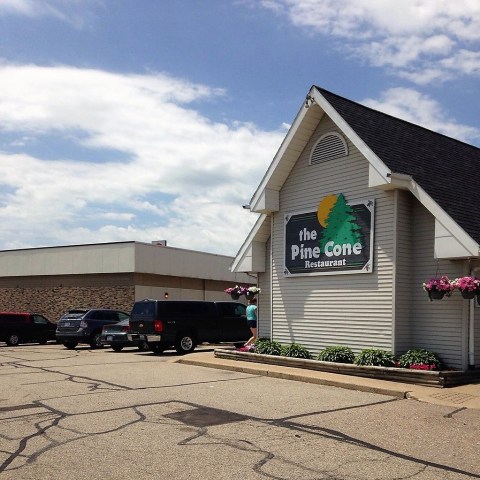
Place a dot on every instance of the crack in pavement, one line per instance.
(51, 422)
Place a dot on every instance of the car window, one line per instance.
(123, 317)
(240, 310)
(39, 320)
(186, 308)
(227, 309)
(144, 308)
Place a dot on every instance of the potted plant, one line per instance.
(468, 286)
(439, 287)
(250, 292)
(235, 291)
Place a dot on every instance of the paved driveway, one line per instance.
(91, 414)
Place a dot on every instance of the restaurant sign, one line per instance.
(337, 238)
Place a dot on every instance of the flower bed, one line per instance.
(443, 378)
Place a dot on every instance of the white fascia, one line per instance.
(246, 259)
(266, 197)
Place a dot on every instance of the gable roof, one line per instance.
(447, 169)
(441, 172)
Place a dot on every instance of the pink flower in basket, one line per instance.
(467, 284)
(441, 284)
(236, 289)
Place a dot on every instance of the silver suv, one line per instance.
(85, 326)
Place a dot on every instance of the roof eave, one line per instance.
(258, 235)
(302, 128)
(451, 240)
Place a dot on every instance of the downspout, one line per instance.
(395, 271)
(471, 335)
(471, 327)
(272, 216)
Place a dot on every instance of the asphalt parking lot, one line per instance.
(83, 413)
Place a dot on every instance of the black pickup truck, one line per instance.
(164, 324)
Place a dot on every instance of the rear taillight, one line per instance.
(103, 329)
(158, 325)
(126, 328)
(83, 324)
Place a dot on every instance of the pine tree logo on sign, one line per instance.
(336, 238)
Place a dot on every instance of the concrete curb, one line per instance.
(319, 378)
(460, 397)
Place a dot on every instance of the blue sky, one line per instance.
(156, 119)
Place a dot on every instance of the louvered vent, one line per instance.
(329, 146)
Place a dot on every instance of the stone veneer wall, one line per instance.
(53, 302)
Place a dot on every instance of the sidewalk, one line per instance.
(464, 396)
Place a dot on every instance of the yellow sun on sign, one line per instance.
(324, 208)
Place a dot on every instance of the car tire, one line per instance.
(117, 348)
(43, 342)
(185, 343)
(95, 340)
(143, 346)
(157, 348)
(13, 340)
(70, 345)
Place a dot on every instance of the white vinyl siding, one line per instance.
(265, 298)
(440, 326)
(403, 270)
(318, 311)
(476, 336)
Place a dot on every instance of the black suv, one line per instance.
(19, 327)
(184, 324)
(85, 326)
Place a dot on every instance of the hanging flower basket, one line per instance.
(436, 294)
(251, 292)
(235, 292)
(468, 286)
(439, 287)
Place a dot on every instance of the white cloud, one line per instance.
(409, 36)
(178, 175)
(69, 11)
(411, 105)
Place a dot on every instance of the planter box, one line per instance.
(404, 375)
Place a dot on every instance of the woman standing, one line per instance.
(252, 320)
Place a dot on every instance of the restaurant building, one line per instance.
(53, 280)
(356, 211)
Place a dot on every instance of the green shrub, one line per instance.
(336, 353)
(376, 357)
(267, 346)
(295, 350)
(420, 359)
